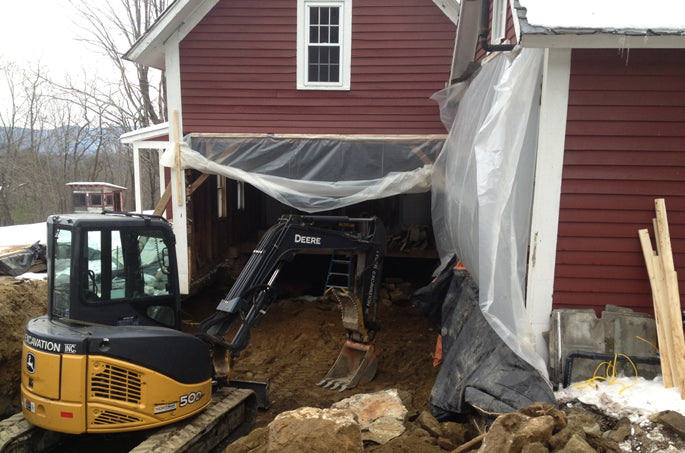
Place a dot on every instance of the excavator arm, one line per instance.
(254, 292)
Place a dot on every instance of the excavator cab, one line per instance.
(109, 355)
(113, 270)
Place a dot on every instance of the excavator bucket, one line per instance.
(356, 364)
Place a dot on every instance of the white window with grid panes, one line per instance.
(324, 37)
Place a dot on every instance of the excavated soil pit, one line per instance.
(298, 340)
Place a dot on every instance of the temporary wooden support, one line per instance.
(203, 177)
(197, 183)
(177, 158)
(666, 298)
(161, 204)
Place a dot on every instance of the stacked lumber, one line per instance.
(666, 298)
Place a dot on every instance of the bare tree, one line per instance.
(20, 131)
(52, 133)
(139, 98)
(112, 28)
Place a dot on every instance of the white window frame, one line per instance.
(345, 44)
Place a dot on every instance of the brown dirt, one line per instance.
(298, 340)
(20, 300)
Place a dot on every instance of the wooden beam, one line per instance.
(177, 158)
(672, 295)
(161, 204)
(197, 183)
(658, 289)
(666, 298)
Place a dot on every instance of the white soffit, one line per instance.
(450, 8)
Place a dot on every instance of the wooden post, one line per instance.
(672, 294)
(658, 288)
(177, 159)
(161, 204)
(666, 297)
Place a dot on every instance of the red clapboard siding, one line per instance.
(238, 71)
(625, 146)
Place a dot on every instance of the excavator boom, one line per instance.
(254, 291)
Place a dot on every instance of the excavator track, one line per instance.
(231, 414)
(17, 435)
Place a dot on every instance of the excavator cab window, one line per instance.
(121, 264)
(62, 273)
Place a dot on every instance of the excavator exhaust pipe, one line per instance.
(356, 364)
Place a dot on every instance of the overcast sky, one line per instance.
(42, 31)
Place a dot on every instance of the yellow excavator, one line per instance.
(110, 355)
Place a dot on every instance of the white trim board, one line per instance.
(547, 191)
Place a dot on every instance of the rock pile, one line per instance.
(395, 291)
(541, 428)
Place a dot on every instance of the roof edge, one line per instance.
(146, 133)
(588, 37)
(181, 15)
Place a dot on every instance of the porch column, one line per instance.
(178, 187)
(136, 178)
(547, 192)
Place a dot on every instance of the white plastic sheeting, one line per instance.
(483, 185)
(316, 174)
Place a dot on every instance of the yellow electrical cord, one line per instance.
(648, 342)
(610, 375)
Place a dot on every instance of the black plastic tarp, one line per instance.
(479, 371)
(19, 263)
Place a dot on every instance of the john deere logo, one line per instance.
(30, 363)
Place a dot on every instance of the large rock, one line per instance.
(577, 444)
(516, 431)
(430, 424)
(381, 415)
(674, 420)
(314, 430)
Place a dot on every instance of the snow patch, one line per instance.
(607, 14)
(618, 400)
(18, 235)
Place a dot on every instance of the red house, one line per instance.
(610, 139)
(244, 77)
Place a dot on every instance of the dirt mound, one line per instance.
(20, 301)
(298, 341)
